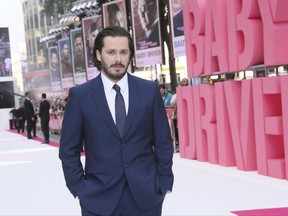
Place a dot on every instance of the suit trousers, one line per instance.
(45, 129)
(34, 122)
(20, 123)
(127, 207)
(29, 127)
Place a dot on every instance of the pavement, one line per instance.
(32, 184)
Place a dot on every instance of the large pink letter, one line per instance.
(186, 127)
(216, 46)
(225, 144)
(268, 124)
(245, 34)
(194, 14)
(205, 119)
(250, 24)
(275, 20)
(284, 99)
(239, 106)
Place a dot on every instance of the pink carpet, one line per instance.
(263, 212)
(51, 143)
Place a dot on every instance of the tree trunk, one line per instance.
(167, 39)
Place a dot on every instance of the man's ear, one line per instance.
(98, 55)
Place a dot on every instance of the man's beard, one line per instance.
(114, 76)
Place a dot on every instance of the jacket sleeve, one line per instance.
(163, 144)
(71, 144)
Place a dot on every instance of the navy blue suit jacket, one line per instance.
(142, 158)
(44, 110)
(29, 109)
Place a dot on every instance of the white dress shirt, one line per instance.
(110, 93)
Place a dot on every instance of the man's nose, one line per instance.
(118, 56)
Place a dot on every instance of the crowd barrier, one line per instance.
(55, 124)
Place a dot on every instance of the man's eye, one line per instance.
(111, 52)
(125, 52)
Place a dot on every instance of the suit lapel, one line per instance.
(99, 99)
(134, 98)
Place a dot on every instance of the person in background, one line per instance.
(183, 82)
(34, 122)
(13, 114)
(8, 66)
(205, 80)
(166, 95)
(29, 114)
(128, 168)
(44, 117)
(21, 119)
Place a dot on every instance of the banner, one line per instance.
(177, 27)
(5, 54)
(146, 32)
(65, 63)
(78, 53)
(54, 66)
(90, 27)
(7, 94)
(114, 13)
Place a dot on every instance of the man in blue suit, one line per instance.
(128, 170)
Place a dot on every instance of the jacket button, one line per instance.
(125, 165)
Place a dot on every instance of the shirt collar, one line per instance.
(108, 84)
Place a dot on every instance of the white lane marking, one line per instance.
(14, 163)
(19, 151)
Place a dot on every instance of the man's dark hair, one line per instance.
(64, 43)
(78, 35)
(95, 25)
(43, 95)
(53, 50)
(163, 86)
(113, 31)
(112, 11)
